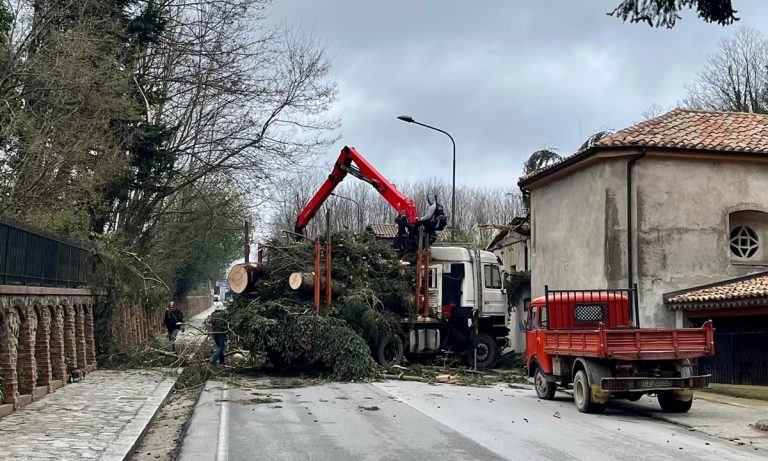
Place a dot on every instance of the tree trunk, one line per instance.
(305, 281)
(243, 277)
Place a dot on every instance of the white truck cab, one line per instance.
(478, 266)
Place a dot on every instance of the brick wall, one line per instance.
(46, 332)
(193, 305)
(43, 332)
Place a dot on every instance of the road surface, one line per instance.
(397, 420)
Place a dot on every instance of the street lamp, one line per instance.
(409, 119)
(359, 210)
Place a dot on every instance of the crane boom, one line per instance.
(350, 161)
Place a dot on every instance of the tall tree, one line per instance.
(666, 13)
(153, 127)
(735, 77)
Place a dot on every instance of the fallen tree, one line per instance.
(276, 321)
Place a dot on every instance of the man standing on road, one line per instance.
(218, 326)
(174, 318)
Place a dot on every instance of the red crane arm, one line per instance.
(350, 161)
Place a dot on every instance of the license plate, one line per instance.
(657, 383)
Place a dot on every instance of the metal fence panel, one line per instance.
(34, 258)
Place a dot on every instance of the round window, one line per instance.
(744, 242)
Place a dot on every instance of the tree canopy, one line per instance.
(153, 128)
(666, 13)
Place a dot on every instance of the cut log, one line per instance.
(242, 277)
(305, 281)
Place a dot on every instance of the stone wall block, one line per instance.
(70, 341)
(43, 345)
(80, 336)
(26, 368)
(58, 360)
(89, 339)
(10, 326)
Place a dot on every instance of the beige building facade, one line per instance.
(675, 202)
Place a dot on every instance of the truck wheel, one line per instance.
(487, 352)
(544, 389)
(277, 360)
(670, 404)
(582, 395)
(389, 351)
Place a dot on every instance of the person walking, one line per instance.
(174, 321)
(218, 327)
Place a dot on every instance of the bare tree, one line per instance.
(356, 204)
(652, 111)
(735, 77)
(154, 126)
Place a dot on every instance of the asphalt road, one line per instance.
(413, 421)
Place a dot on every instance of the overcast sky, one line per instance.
(505, 78)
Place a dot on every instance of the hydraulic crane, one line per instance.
(351, 162)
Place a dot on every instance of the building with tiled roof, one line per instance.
(677, 131)
(677, 205)
(388, 232)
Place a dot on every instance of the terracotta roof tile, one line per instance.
(689, 129)
(752, 287)
(694, 129)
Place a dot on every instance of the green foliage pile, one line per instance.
(281, 323)
(516, 283)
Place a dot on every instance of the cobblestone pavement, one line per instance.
(108, 409)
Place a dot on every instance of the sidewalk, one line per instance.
(737, 390)
(103, 417)
(730, 418)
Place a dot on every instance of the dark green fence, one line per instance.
(34, 258)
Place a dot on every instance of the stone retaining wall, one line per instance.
(47, 332)
(44, 333)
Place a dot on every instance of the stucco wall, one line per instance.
(577, 226)
(683, 230)
(680, 226)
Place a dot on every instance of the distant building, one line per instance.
(511, 246)
(388, 233)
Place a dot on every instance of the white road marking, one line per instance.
(222, 451)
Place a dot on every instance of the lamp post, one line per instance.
(409, 119)
(359, 210)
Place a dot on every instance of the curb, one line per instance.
(132, 434)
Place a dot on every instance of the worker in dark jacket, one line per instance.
(218, 327)
(434, 219)
(174, 321)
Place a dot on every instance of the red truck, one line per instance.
(591, 339)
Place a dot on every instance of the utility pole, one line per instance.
(247, 244)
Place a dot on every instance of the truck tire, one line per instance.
(582, 395)
(389, 351)
(277, 360)
(670, 404)
(544, 389)
(487, 352)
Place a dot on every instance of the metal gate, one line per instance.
(741, 351)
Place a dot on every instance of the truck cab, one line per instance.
(467, 303)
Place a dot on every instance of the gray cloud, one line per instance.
(505, 78)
